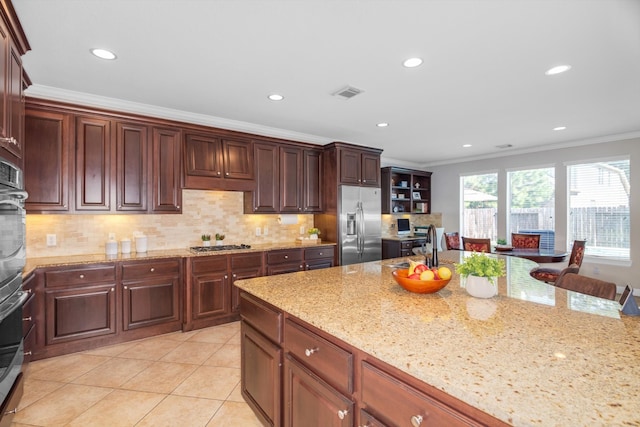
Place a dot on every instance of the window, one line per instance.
(599, 207)
(480, 206)
(531, 203)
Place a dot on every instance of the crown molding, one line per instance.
(90, 100)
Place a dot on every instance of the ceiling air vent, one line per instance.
(504, 146)
(347, 92)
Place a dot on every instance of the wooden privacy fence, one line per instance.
(600, 226)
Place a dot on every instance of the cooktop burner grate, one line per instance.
(218, 248)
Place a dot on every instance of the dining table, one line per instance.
(538, 255)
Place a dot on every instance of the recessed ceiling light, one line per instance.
(560, 128)
(557, 70)
(103, 53)
(412, 62)
(466, 145)
(276, 97)
(382, 125)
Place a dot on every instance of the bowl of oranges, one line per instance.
(421, 279)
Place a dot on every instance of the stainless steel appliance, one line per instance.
(359, 224)
(12, 261)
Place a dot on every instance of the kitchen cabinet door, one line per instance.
(370, 170)
(261, 370)
(165, 170)
(265, 198)
(131, 167)
(14, 105)
(349, 167)
(309, 401)
(93, 164)
(79, 312)
(211, 295)
(151, 293)
(359, 167)
(312, 179)
(237, 159)
(290, 180)
(46, 161)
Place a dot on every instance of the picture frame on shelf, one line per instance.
(416, 195)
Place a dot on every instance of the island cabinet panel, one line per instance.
(46, 160)
(311, 402)
(9, 407)
(93, 164)
(262, 358)
(213, 162)
(394, 402)
(166, 192)
(151, 293)
(261, 375)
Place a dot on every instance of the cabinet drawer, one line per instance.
(332, 363)
(407, 244)
(396, 403)
(209, 264)
(245, 261)
(318, 253)
(265, 319)
(283, 256)
(146, 270)
(81, 276)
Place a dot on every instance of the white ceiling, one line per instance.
(482, 81)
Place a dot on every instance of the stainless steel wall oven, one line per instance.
(12, 262)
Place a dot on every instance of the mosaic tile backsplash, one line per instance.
(203, 212)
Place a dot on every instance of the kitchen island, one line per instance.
(532, 355)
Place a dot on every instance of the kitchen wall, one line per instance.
(445, 194)
(203, 212)
(389, 222)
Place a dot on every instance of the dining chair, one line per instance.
(550, 275)
(476, 245)
(525, 241)
(452, 240)
(587, 285)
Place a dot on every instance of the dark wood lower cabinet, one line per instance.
(9, 408)
(309, 401)
(150, 302)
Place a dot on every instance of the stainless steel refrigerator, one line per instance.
(359, 224)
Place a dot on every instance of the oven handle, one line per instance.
(12, 303)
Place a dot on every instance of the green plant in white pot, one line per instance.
(481, 272)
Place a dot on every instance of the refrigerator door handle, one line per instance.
(361, 229)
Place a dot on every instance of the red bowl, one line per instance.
(418, 286)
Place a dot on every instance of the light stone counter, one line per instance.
(533, 355)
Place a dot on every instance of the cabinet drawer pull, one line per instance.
(309, 351)
(286, 257)
(226, 277)
(113, 289)
(82, 276)
(218, 173)
(28, 353)
(13, 411)
(416, 420)
(26, 319)
(10, 140)
(343, 413)
(152, 269)
(235, 276)
(321, 253)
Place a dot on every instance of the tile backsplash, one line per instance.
(203, 212)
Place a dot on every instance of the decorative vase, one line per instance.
(313, 236)
(218, 242)
(481, 287)
(206, 243)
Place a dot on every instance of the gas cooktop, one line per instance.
(198, 249)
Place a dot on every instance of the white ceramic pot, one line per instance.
(313, 237)
(206, 243)
(481, 287)
(218, 242)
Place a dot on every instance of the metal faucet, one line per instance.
(432, 237)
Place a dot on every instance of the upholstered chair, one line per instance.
(476, 245)
(550, 275)
(452, 240)
(525, 241)
(587, 285)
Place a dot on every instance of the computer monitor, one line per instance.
(403, 227)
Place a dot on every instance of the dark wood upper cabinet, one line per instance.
(358, 167)
(265, 198)
(165, 171)
(131, 167)
(290, 179)
(93, 164)
(46, 161)
(312, 179)
(212, 162)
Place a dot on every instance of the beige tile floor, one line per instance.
(179, 379)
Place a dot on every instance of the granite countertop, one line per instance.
(40, 262)
(403, 238)
(532, 355)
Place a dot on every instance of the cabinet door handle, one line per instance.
(82, 276)
(309, 351)
(28, 353)
(227, 173)
(152, 269)
(343, 413)
(10, 140)
(286, 257)
(13, 411)
(219, 173)
(416, 420)
(113, 289)
(26, 319)
(321, 254)
(126, 287)
(235, 276)
(226, 277)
